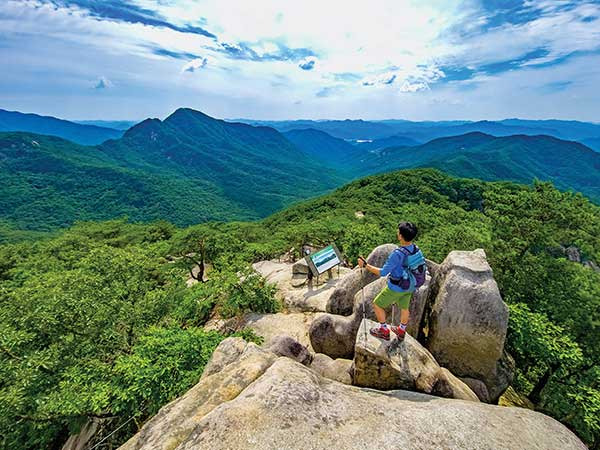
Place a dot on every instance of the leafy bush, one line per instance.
(246, 292)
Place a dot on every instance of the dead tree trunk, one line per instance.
(197, 262)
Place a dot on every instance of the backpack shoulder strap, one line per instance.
(407, 252)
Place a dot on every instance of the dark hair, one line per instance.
(408, 230)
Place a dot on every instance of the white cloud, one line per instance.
(560, 32)
(416, 86)
(364, 55)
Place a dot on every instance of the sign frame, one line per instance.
(331, 257)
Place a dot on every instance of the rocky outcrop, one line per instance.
(292, 288)
(460, 304)
(334, 369)
(290, 406)
(87, 436)
(269, 326)
(333, 335)
(417, 308)
(300, 267)
(573, 253)
(410, 366)
(228, 351)
(513, 398)
(449, 386)
(175, 422)
(468, 321)
(478, 387)
(341, 300)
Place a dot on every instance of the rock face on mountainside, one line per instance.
(261, 402)
(459, 304)
(468, 321)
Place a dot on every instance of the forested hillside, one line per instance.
(569, 165)
(332, 151)
(97, 321)
(189, 168)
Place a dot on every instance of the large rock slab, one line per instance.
(175, 422)
(341, 300)
(468, 321)
(227, 352)
(270, 326)
(293, 291)
(333, 335)
(410, 366)
(292, 407)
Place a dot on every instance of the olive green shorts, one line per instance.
(387, 297)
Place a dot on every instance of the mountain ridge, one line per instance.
(192, 168)
(82, 134)
(519, 158)
(188, 168)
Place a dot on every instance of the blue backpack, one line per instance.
(416, 269)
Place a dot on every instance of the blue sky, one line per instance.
(419, 60)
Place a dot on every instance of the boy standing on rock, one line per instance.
(406, 269)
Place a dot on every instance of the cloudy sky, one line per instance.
(422, 59)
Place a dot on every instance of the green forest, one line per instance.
(192, 168)
(187, 169)
(96, 320)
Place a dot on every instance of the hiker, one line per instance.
(406, 269)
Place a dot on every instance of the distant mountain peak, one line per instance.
(470, 138)
(184, 114)
(144, 127)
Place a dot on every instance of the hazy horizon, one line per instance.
(233, 119)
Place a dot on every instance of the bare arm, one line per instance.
(374, 270)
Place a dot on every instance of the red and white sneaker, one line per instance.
(400, 333)
(380, 332)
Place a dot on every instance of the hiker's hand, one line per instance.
(362, 262)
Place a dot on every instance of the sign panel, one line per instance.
(325, 259)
